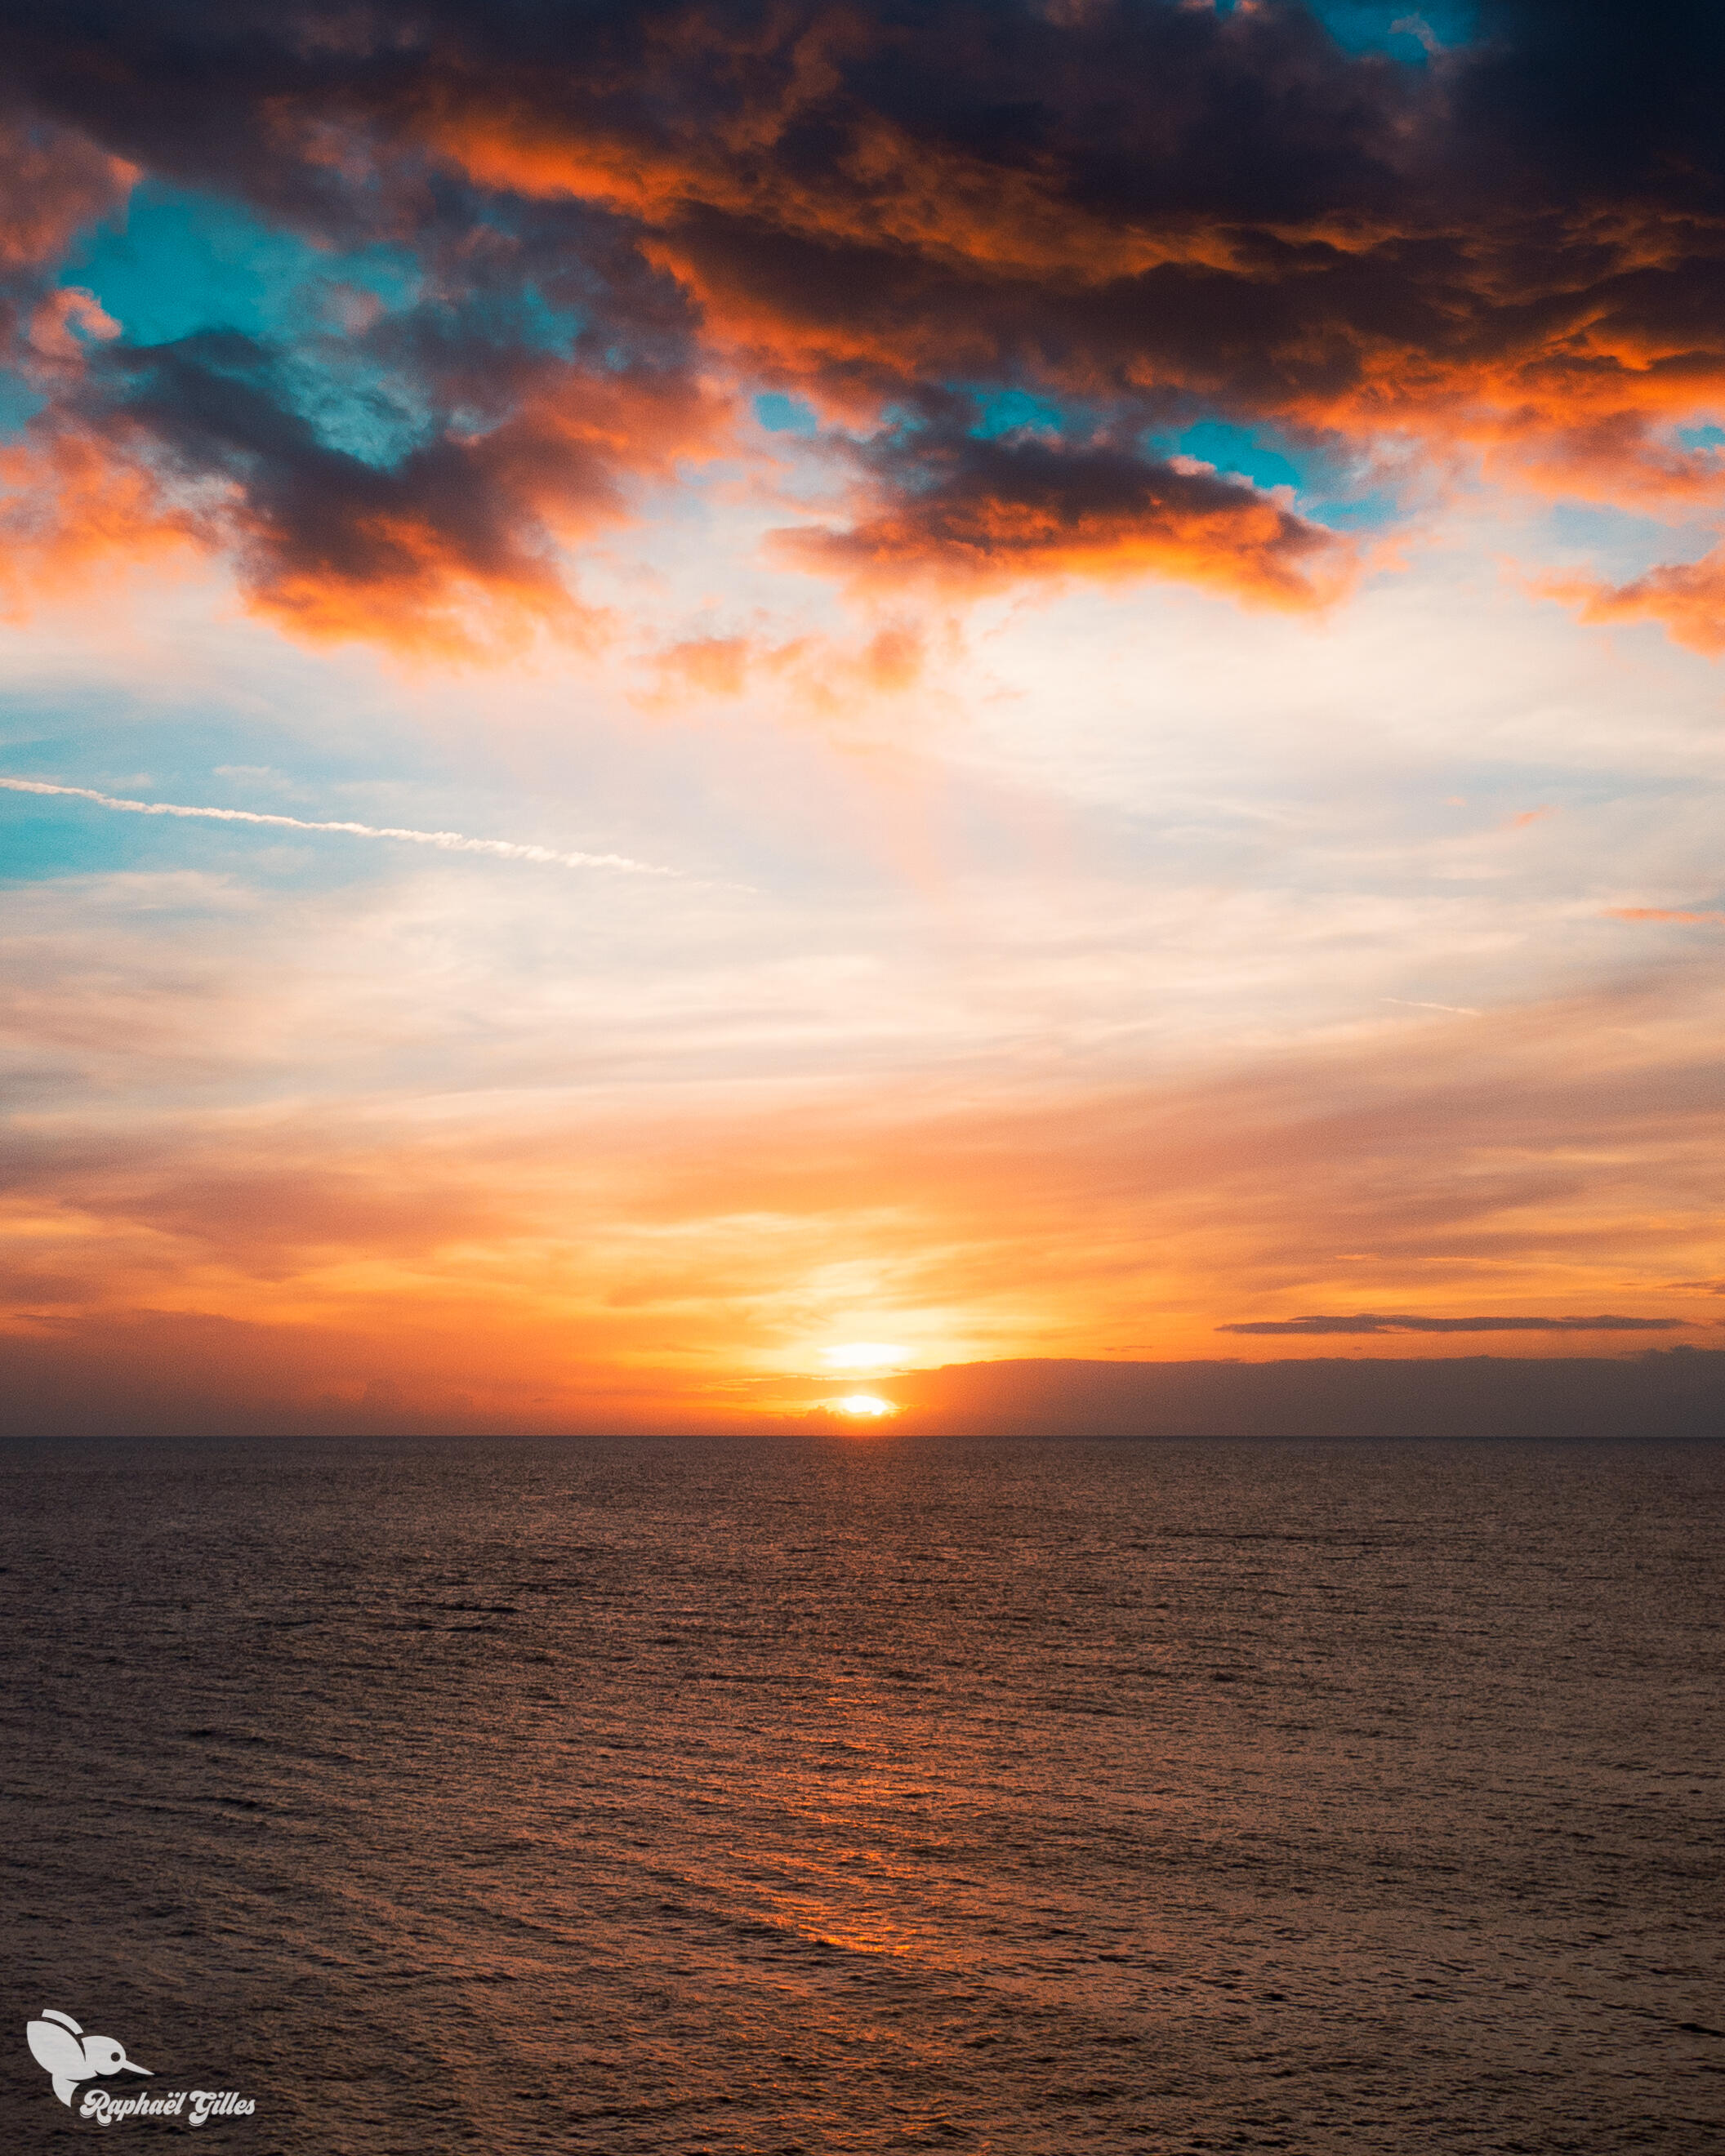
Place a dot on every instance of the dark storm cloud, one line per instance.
(1153, 211)
(1366, 1322)
(984, 510)
(328, 535)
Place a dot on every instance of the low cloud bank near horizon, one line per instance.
(1662, 1393)
(163, 1374)
(1369, 1321)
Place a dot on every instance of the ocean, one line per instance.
(863, 1794)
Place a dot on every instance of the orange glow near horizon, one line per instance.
(864, 1355)
(1172, 712)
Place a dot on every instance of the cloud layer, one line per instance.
(1363, 1322)
(1012, 500)
(1006, 255)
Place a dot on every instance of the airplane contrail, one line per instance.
(453, 842)
(1456, 1010)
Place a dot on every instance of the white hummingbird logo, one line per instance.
(60, 2045)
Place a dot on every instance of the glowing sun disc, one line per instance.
(866, 1404)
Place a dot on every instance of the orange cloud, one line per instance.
(1016, 508)
(825, 674)
(53, 182)
(884, 189)
(1560, 340)
(69, 510)
(458, 549)
(717, 665)
(1688, 597)
(1664, 913)
(56, 316)
(1489, 261)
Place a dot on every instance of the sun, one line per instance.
(866, 1407)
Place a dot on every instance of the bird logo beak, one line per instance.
(133, 2066)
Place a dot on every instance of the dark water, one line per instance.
(885, 1795)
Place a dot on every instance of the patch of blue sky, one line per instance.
(1010, 411)
(46, 837)
(1326, 488)
(355, 409)
(785, 415)
(181, 261)
(1375, 509)
(201, 759)
(19, 404)
(536, 322)
(996, 412)
(1233, 448)
(1619, 544)
(178, 260)
(42, 841)
(1699, 438)
(1403, 31)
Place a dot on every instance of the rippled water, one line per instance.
(652, 1795)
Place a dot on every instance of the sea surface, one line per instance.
(885, 1794)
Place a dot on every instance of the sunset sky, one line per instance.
(1079, 641)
